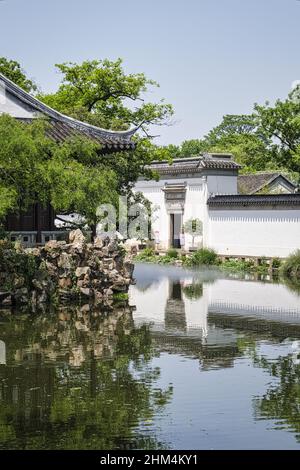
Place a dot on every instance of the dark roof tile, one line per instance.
(195, 164)
(254, 199)
(252, 183)
(63, 126)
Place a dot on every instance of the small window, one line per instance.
(25, 239)
(47, 238)
(13, 239)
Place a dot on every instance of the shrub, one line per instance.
(238, 265)
(203, 256)
(172, 253)
(165, 259)
(276, 263)
(291, 266)
(147, 254)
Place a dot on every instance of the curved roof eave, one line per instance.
(48, 111)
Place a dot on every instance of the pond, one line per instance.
(197, 360)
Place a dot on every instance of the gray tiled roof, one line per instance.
(195, 164)
(62, 126)
(255, 199)
(252, 183)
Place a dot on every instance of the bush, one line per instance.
(276, 263)
(165, 260)
(147, 254)
(291, 266)
(238, 265)
(172, 253)
(204, 256)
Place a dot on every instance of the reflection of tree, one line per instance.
(282, 400)
(293, 285)
(193, 291)
(78, 379)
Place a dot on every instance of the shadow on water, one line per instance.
(196, 360)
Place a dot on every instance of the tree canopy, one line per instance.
(101, 93)
(75, 176)
(267, 139)
(33, 167)
(12, 70)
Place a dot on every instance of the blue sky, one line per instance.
(211, 57)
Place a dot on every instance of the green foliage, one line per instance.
(193, 227)
(68, 176)
(238, 265)
(147, 254)
(172, 253)
(17, 265)
(193, 291)
(165, 259)
(204, 256)
(97, 387)
(267, 139)
(120, 296)
(75, 177)
(291, 266)
(13, 71)
(98, 92)
(277, 262)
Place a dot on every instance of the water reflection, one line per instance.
(220, 321)
(77, 378)
(197, 360)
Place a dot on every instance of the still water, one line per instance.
(197, 360)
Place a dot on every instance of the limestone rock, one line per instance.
(98, 243)
(93, 271)
(85, 291)
(64, 261)
(81, 272)
(76, 237)
(65, 282)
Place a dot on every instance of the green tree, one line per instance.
(68, 176)
(281, 124)
(268, 139)
(13, 70)
(193, 227)
(75, 176)
(101, 93)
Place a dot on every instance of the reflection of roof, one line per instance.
(196, 164)
(255, 199)
(252, 183)
(63, 126)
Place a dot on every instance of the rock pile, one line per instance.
(91, 272)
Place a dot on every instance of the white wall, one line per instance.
(195, 204)
(197, 191)
(256, 232)
(253, 232)
(13, 106)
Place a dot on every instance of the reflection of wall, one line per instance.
(225, 296)
(268, 301)
(165, 304)
(2, 352)
(175, 308)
